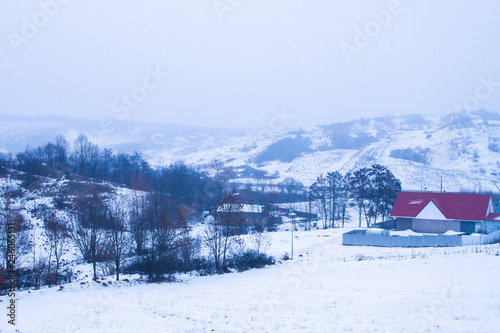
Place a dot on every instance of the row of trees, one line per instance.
(147, 233)
(371, 190)
(149, 227)
(150, 231)
(84, 158)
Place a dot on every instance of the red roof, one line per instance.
(454, 206)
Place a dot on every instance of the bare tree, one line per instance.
(40, 271)
(138, 222)
(260, 240)
(217, 166)
(213, 238)
(333, 180)
(62, 148)
(117, 235)
(189, 249)
(81, 152)
(5, 162)
(344, 193)
(238, 247)
(319, 193)
(57, 234)
(227, 222)
(291, 189)
(166, 230)
(88, 232)
(81, 238)
(50, 152)
(14, 239)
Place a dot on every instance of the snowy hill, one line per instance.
(44, 196)
(326, 287)
(461, 150)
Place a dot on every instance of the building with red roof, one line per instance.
(441, 212)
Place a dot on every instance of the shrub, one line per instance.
(251, 259)
(417, 155)
(494, 147)
(285, 257)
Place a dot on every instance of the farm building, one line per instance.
(249, 215)
(441, 212)
(262, 215)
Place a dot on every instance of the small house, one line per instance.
(250, 215)
(439, 212)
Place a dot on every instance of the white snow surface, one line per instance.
(327, 287)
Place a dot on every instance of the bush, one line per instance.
(459, 120)
(4, 284)
(56, 278)
(285, 257)
(251, 259)
(494, 147)
(417, 155)
(40, 276)
(204, 266)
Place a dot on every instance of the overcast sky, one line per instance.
(234, 63)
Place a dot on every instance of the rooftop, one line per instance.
(454, 206)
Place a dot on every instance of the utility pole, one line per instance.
(292, 215)
(422, 181)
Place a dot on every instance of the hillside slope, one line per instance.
(460, 150)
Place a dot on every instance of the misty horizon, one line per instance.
(231, 66)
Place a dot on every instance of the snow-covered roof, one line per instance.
(244, 209)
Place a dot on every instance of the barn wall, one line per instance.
(435, 226)
(490, 226)
(403, 223)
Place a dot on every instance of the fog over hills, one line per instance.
(461, 150)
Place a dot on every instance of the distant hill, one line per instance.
(461, 149)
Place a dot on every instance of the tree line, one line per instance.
(149, 232)
(60, 159)
(371, 190)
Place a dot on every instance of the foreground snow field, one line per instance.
(326, 288)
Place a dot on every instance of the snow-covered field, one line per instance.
(326, 288)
